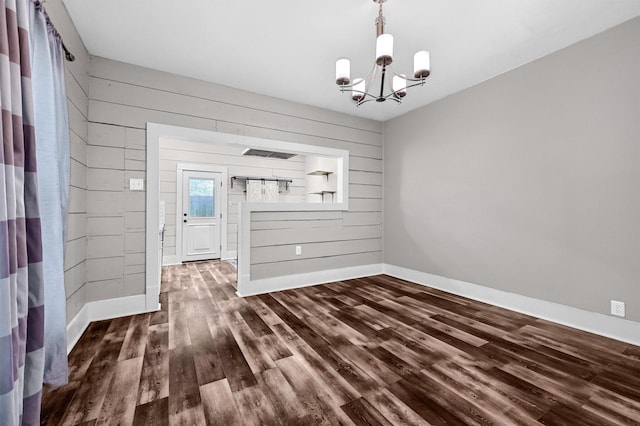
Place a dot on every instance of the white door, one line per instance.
(200, 215)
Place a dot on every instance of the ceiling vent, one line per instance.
(267, 154)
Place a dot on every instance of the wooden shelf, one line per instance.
(319, 173)
(286, 182)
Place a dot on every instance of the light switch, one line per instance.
(136, 184)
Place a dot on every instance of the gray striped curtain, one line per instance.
(52, 136)
(21, 279)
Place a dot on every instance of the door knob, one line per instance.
(184, 214)
(185, 221)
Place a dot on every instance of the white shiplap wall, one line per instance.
(174, 152)
(77, 87)
(124, 97)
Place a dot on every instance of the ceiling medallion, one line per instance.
(360, 88)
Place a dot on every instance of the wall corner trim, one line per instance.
(102, 310)
(592, 322)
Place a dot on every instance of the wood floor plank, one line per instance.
(219, 405)
(363, 413)
(334, 384)
(178, 331)
(90, 396)
(254, 406)
(55, 404)
(376, 350)
(154, 379)
(420, 401)
(569, 415)
(263, 311)
(613, 407)
(288, 409)
(235, 366)
(254, 353)
(135, 340)
(255, 323)
(205, 356)
(394, 410)
(472, 384)
(110, 348)
(274, 346)
(449, 396)
(154, 413)
(86, 349)
(311, 395)
(120, 402)
(185, 405)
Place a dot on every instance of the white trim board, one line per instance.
(104, 309)
(289, 282)
(592, 322)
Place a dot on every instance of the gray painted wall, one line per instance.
(124, 97)
(527, 182)
(77, 87)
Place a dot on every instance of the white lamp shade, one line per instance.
(343, 71)
(421, 64)
(384, 49)
(359, 88)
(399, 85)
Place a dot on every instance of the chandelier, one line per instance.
(365, 89)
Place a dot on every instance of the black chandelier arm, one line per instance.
(373, 98)
(387, 71)
(418, 82)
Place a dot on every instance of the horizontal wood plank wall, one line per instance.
(124, 97)
(328, 240)
(174, 152)
(77, 87)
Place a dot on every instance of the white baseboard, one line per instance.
(170, 260)
(174, 260)
(231, 254)
(288, 282)
(101, 310)
(593, 322)
(76, 327)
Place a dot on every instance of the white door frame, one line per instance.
(222, 202)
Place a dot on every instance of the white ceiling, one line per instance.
(287, 48)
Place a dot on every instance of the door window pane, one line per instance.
(201, 197)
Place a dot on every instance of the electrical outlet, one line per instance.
(136, 184)
(617, 308)
(298, 250)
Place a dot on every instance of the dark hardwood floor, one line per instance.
(367, 351)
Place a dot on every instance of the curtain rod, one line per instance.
(67, 54)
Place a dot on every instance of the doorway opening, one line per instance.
(318, 185)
